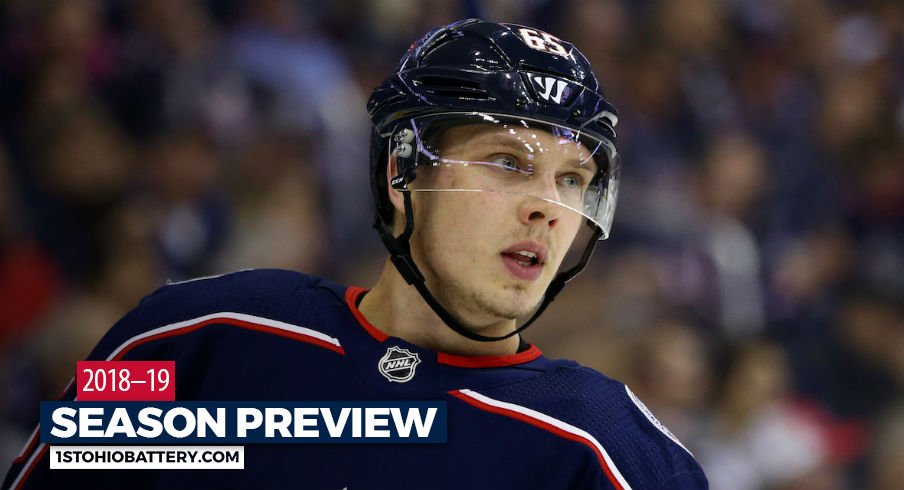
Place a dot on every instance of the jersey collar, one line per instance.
(352, 294)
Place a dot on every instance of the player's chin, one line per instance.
(519, 303)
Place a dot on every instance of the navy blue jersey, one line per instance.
(517, 421)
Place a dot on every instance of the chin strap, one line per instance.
(400, 253)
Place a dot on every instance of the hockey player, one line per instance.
(494, 171)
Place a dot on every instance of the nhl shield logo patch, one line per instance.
(398, 364)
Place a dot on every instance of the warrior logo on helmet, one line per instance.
(550, 89)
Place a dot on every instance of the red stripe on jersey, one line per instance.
(24, 477)
(351, 298)
(235, 323)
(489, 361)
(167, 332)
(610, 475)
(33, 440)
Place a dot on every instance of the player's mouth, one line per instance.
(525, 260)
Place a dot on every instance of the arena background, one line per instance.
(752, 290)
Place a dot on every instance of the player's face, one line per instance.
(490, 255)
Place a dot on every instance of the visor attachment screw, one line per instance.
(403, 150)
(404, 136)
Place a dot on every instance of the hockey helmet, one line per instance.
(509, 75)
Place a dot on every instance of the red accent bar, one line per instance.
(351, 299)
(533, 352)
(32, 467)
(126, 380)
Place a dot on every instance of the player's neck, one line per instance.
(398, 310)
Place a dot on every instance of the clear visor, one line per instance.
(479, 152)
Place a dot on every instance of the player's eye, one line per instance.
(572, 182)
(507, 162)
(511, 163)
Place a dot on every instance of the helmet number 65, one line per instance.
(542, 41)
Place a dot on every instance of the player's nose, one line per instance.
(541, 206)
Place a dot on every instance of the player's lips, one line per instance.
(525, 260)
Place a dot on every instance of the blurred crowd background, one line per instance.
(752, 293)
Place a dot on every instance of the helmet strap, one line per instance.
(400, 254)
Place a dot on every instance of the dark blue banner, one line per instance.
(242, 422)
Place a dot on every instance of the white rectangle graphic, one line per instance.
(147, 457)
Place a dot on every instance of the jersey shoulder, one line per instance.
(261, 299)
(605, 411)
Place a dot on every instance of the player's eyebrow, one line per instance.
(588, 164)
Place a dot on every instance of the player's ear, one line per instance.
(395, 196)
